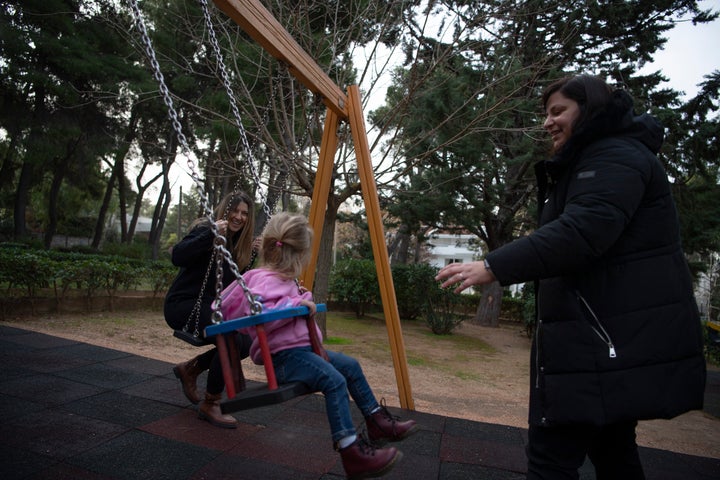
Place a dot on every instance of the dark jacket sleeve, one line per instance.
(601, 194)
(194, 248)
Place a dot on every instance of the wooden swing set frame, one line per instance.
(262, 27)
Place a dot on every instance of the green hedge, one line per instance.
(28, 270)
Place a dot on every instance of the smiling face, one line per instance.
(237, 219)
(562, 113)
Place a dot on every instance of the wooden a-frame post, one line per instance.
(260, 24)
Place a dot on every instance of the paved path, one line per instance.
(80, 412)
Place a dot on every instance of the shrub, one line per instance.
(412, 282)
(354, 282)
(440, 310)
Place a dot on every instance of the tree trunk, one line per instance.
(321, 287)
(58, 176)
(22, 196)
(117, 174)
(488, 311)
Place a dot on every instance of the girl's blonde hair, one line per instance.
(241, 243)
(287, 244)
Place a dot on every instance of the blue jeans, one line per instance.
(342, 374)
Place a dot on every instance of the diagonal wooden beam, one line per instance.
(262, 26)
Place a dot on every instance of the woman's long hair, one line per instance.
(239, 244)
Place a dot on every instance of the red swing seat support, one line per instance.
(239, 397)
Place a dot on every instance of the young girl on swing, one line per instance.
(285, 251)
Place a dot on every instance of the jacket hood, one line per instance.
(617, 119)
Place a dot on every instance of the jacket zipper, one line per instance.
(538, 331)
(602, 333)
(537, 352)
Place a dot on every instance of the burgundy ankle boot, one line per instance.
(382, 426)
(188, 373)
(362, 460)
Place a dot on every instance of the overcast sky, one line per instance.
(691, 52)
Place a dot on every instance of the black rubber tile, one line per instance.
(40, 340)
(19, 463)
(161, 389)
(104, 376)
(96, 353)
(138, 455)
(120, 408)
(12, 407)
(229, 467)
(462, 471)
(57, 434)
(48, 389)
(144, 365)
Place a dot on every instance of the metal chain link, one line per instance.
(233, 104)
(172, 113)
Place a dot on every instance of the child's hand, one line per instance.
(311, 306)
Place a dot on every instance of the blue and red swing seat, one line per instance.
(239, 396)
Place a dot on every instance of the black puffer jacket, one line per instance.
(618, 333)
(193, 255)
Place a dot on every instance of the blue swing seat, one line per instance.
(264, 394)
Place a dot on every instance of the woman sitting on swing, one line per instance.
(190, 297)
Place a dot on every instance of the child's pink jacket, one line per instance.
(274, 292)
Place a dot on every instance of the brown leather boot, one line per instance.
(188, 373)
(362, 460)
(382, 426)
(209, 410)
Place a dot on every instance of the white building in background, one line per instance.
(447, 248)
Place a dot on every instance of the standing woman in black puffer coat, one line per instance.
(194, 255)
(618, 334)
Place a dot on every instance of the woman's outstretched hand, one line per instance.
(464, 275)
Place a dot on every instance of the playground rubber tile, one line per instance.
(104, 376)
(235, 468)
(292, 421)
(289, 449)
(40, 340)
(48, 389)
(423, 442)
(141, 456)
(148, 366)
(12, 407)
(185, 426)
(483, 452)
(18, 463)
(657, 464)
(47, 360)
(417, 467)
(489, 432)
(94, 353)
(62, 471)
(125, 410)
(461, 471)
(161, 389)
(57, 434)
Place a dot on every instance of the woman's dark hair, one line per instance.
(241, 246)
(592, 94)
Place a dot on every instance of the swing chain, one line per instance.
(233, 103)
(172, 113)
